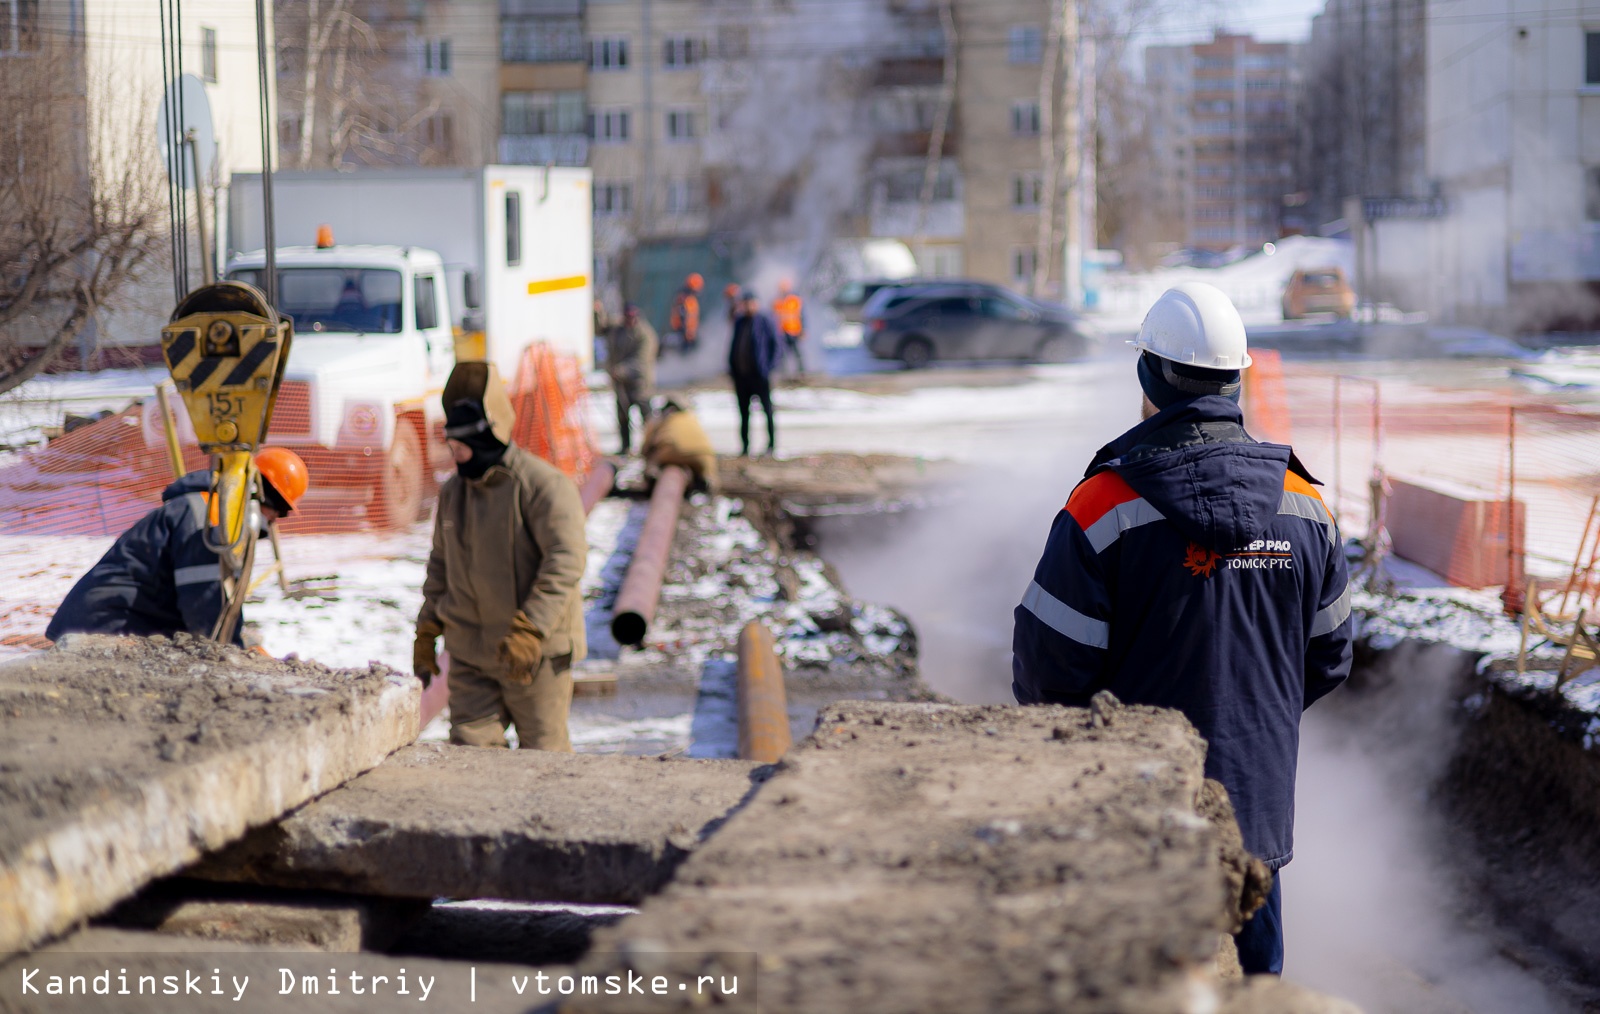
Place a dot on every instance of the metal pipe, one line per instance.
(763, 707)
(208, 272)
(598, 484)
(641, 589)
(170, 425)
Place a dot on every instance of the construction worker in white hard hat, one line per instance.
(1196, 568)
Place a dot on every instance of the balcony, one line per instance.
(544, 149)
(899, 219)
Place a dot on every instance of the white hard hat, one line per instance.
(1195, 324)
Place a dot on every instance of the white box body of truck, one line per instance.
(517, 239)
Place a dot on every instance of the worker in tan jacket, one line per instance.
(502, 587)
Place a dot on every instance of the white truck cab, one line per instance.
(373, 345)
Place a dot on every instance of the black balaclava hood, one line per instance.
(467, 422)
(1166, 383)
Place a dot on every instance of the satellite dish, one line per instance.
(190, 110)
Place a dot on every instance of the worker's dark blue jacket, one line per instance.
(754, 352)
(1194, 568)
(158, 578)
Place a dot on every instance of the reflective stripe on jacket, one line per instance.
(157, 578)
(1196, 569)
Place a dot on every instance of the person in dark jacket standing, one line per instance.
(752, 356)
(1198, 569)
(159, 577)
(631, 364)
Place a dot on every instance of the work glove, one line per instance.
(522, 650)
(424, 660)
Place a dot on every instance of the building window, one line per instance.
(531, 114)
(1023, 260)
(1025, 44)
(208, 54)
(609, 126)
(436, 57)
(437, 132)
(19, 26)
(682, 51)
(513, 228)
(1591, 58)
(1591, 193)
(541, 40)
(681, 125)
(613, 198)
(608, 54)
(685, 197)
(1026, 190)
(1025, 118)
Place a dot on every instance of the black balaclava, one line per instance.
(1166, 383)
(467, 422)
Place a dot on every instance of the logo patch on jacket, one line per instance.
(1201, 561)
(1262, 554)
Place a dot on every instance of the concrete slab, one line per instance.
(269, 917)
(125, 759)
(438, 820)
(921, 858)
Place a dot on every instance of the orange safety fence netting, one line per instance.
(1486, 481)
(63, 504)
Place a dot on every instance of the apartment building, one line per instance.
(667, 100)
(1221, 120)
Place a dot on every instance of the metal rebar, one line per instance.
(641, 589)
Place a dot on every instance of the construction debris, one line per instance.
(125, 759)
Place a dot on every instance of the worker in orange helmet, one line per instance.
(730, 296)
(683, 323)
(160, 577)
(789, 311)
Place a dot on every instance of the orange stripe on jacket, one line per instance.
(1098, 496)
(1293, 483)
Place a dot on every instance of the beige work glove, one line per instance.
(424, 660)
(522, 650)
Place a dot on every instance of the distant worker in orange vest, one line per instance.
(789, 311)
(730, 296)
(684, 320)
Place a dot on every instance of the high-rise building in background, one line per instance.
(799, 123)
(1220, 120)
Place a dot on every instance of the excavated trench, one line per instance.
(1448, 842)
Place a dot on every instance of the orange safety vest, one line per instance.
(685, 318)
(788, 311)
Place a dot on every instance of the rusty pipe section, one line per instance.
(598, 484)
(641, 589)
(763, 707)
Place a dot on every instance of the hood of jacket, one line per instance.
(198, 481)
(476, 380)
(1195, 464)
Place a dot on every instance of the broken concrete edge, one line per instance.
(106, 853)
(445, 821)
(891, 863)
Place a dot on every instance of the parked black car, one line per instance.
(968, 320)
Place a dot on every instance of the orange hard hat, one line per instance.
(696, 282)
(286, 471)
(785, 286)
(731, 290)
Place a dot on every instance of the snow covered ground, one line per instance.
(29, 410)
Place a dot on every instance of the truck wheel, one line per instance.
(916, 353)
(399, 488)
